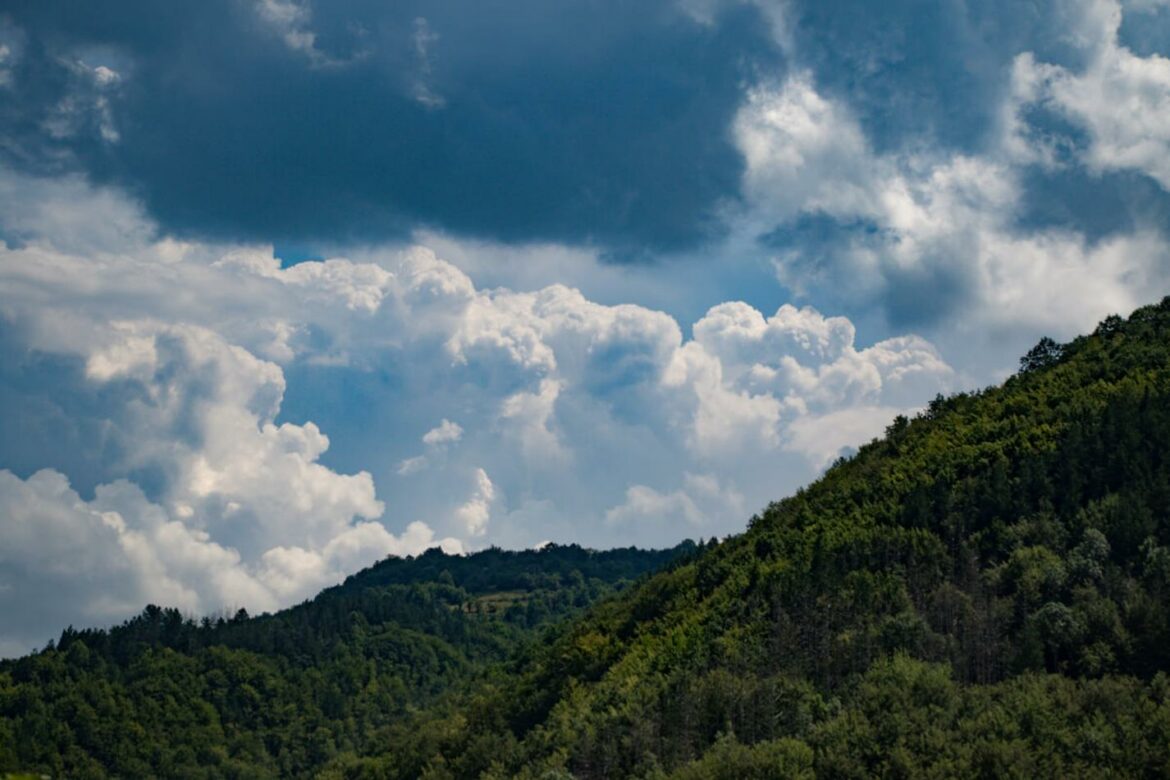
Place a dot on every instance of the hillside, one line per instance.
(982, 592)
(277, 695)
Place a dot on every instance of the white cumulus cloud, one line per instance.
(213, 476)
(445, 432)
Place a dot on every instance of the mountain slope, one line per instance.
(278, 695)
(982, 592)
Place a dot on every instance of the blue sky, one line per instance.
(288, 286)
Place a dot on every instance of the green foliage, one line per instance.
(285, 694)
(727, 759)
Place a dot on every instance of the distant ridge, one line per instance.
(279, 695)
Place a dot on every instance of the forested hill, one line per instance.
(283, 694)
(982, 592)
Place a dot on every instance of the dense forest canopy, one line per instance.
(281, 694)
(981, 592)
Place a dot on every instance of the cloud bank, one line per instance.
(580, 273)
(169, 364)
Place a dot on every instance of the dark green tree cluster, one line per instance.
(283, 694)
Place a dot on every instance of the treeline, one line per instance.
(279, 695)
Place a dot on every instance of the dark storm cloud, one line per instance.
(818, 247)
(925, 72)
(55, 417)
(69, 429)
(1097, 205)
(1066, 195)
(587, 122)
(600, 123)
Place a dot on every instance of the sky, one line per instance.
(288, 286)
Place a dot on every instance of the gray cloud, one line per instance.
(582, 122)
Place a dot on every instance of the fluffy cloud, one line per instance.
(754, 378)
(210, 500)
(722, 419)
(811, 361)
(803, 151)
(936, 239)
(445, 432)
(175, 360)
(101, 560)
(528, 416)
(686, 510)
(242, 512)
(1121, 99)
(473, 516)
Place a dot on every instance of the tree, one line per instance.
(1045, 354)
